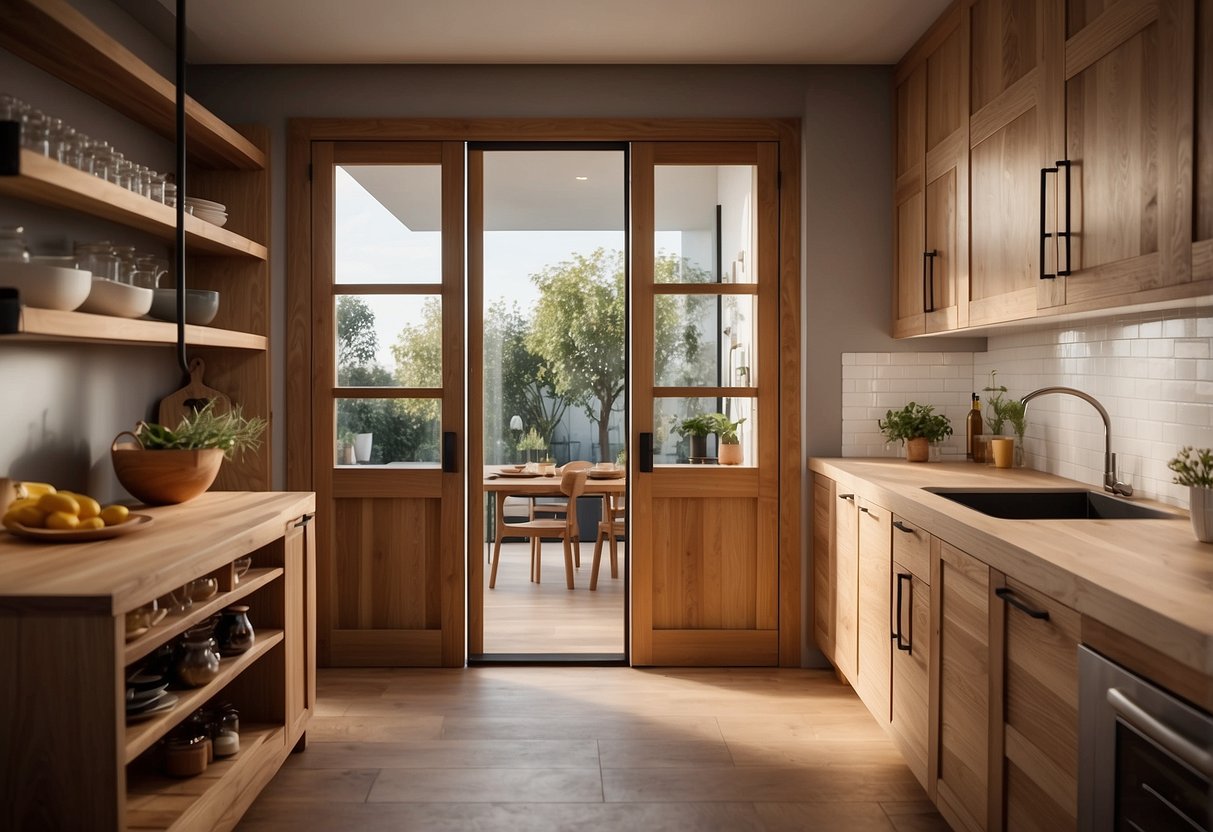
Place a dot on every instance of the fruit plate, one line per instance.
(134, 523)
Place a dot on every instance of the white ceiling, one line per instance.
(552, 31)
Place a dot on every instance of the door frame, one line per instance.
(298, 344)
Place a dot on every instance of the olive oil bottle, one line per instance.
(974, 449)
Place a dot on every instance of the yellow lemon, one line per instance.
(59, 503)
(115, 515)
(34, 489)
(92, 523)
(22, 503)
(89, 507)
(61, 520)
(29, 516)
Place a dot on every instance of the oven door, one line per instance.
(1145, 756)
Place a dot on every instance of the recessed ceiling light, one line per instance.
(582, 178)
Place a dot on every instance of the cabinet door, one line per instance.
(961, 585)
(1202, 246)
(875, 625)
(931, 214)
(1040, 710)
(1128, 118)
(846, 602)
(1015, 131)
(825, 593)
(299, 630)
(911, 660)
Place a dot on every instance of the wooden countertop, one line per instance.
(1149, 579)
(111, 577)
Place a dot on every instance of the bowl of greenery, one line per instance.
(161, 465)
(917, 425)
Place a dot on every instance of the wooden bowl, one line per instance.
(164, 477)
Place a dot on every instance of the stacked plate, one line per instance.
(146, 696)
(213, 212)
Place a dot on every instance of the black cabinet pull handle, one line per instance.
(1009, 596)
(304, 520)
(908, 645)
(902, 527)
(450, 456)
(1064, 163)
(850, 497)
(928, 280)
(646, 453)
(864, 510)
(1044, 234)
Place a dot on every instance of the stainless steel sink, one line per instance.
(1049, 504)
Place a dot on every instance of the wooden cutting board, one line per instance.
(192, 397)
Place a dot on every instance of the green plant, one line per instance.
(997, 405)
(532, 441)
(1193, 467)
(701, 424)
(726, 429)
(914, 421)
(229, 431)
(1015, 412)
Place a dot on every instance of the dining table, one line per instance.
(503, 481)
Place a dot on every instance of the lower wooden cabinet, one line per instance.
(911, 592)
(874, 682)
(836, 564)
(1039, 708)
(961, 713)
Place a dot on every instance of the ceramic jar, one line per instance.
(198, 663)
(235, 632)
(1200, 505)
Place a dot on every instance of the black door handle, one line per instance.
(902, 527)
(1044, 233)
(897, 635)
(450, 455)
(850, 497)
(1009, 596)
(1064, 163)
(928, 278)
(646, 453)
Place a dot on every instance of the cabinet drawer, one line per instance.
(1041, 695)
(911, 669)
(912, 548)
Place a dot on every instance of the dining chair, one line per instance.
(612, 526)
(572, 485)
(559, 506)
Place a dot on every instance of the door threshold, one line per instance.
(560, 659)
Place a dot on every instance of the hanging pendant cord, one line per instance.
(182, 359)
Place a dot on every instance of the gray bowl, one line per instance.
(201, 305)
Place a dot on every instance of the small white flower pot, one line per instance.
(1200, 504)
(362, 447)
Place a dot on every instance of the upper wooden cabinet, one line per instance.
(1085, 180)
(930, 210)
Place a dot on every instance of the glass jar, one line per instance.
(36, 133)
(12, 244)
(98, 258)
(197, 664)
(235, 632)
(186, 753)
(149, 270)
(99, 158)
(62, 143)
(170, 194)
(12, 108)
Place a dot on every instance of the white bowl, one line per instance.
(213, 217)
(198, 202)
(121, 300)
(201, 305)
(45, 286)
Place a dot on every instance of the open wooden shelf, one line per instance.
(56, 325)
(175, 625)
(140, 736)
(49, 182)
(53, 36)
(155, 801)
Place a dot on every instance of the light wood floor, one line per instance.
(525, 617)
(598, 748)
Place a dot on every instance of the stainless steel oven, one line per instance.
(1145, 756)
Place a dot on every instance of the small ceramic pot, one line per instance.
(730, 454)
(1200, 505)
(235, 632)
(918, 449)
(198, 663)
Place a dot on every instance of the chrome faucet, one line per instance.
(1110, 483)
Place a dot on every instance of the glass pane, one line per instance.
(704, 340)
(404, 433)
(705, 223)
(554, 311)
(389, 340)
(388, 225)
(678, 424)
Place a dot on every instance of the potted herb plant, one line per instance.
(160, 465)
(917, 425)
(1193, 467)
(730, 443)
(531, 441)
(696, 429)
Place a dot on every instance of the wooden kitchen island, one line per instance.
(68, 757)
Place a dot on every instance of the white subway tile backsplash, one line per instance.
(1153, 372)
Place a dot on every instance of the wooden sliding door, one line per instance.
(705, 340)
(388, 400)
